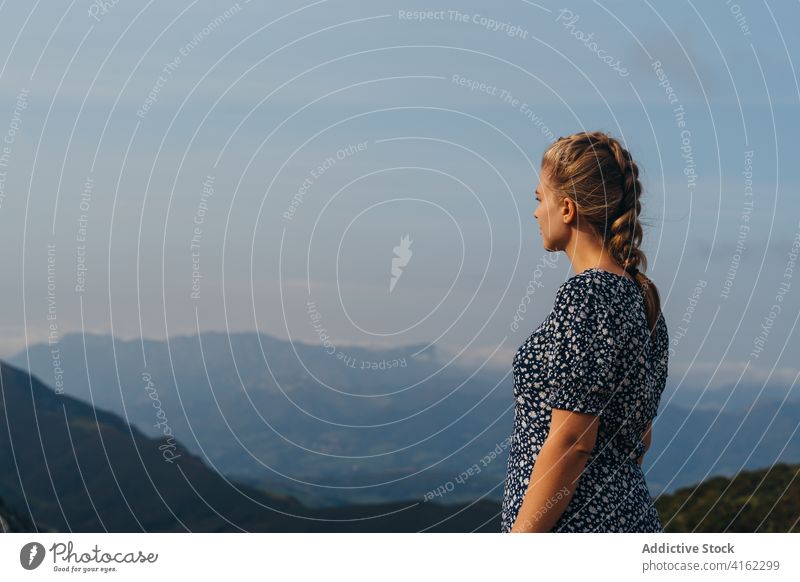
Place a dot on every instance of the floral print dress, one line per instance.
(592, 354)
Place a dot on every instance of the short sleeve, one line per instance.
(582, 355)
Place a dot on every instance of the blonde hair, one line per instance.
(600, 176)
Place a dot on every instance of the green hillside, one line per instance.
(766, 500)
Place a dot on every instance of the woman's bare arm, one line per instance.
(557, 470)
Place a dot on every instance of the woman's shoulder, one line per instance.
(601, 295)
(575, 283)
(577, 299)
(584, 286)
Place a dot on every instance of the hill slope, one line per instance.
(751, 502)
(69, 467)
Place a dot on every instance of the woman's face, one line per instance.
(550, 214)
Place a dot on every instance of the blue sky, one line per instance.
(259, 96)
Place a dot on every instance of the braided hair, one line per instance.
(600, 176)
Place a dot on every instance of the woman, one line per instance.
(589, 379)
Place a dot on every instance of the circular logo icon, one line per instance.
(31, 555)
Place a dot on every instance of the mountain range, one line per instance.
(290, 418)
(67, 466)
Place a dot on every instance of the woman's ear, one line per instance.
(568, 210)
